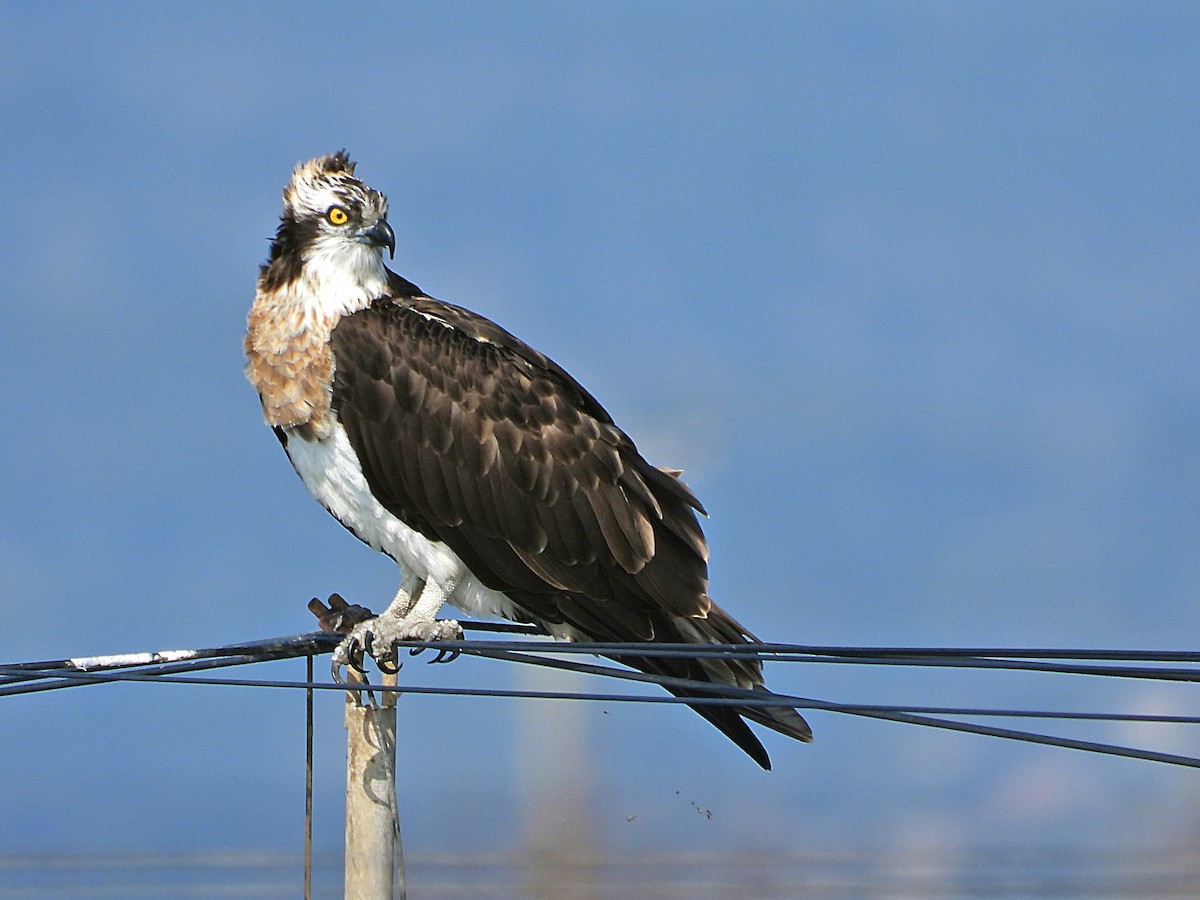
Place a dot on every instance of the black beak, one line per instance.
(381, 235)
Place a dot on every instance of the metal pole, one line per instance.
(308, 781)
(374, 862)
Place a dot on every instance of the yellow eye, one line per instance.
(337, 216)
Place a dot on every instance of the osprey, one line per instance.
(489, 474)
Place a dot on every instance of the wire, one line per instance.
(1024, 660)
(756, 695)
(715, 694)
(319, 642)
(177, 667)
(758, 699)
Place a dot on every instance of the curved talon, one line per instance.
(368, 644)
(345, 658)
(385, 665)
(446, 655)
(348, 655)
(416, 651)
(355, 657)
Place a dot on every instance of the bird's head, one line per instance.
(333, 228)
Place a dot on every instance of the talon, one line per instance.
(380, 640)
(341, 663)
(354, 656)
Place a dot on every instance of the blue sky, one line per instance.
(908, 290)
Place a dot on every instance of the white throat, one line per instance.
(341, 276)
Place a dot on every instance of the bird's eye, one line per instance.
(337, 216)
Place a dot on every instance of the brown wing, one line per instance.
(478, 441)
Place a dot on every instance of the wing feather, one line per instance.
(459, 423)
(479, 441)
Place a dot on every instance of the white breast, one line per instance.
(330, 470)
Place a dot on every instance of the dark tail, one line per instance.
(730, 720)
(717, 627)
(720, 628)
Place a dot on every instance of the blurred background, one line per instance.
(909, 291)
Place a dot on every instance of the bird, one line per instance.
(493, 478)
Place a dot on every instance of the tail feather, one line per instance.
(730, 721)
(783, 719)
(719, 627)
(582, 622)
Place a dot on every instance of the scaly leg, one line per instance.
(409, 617)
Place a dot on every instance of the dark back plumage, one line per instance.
(479, 441)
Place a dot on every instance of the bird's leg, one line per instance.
(361, 640)
(409, 617)
(419, 623)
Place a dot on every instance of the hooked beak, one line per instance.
(381, 235)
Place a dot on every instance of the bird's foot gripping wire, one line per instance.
(378, 636)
